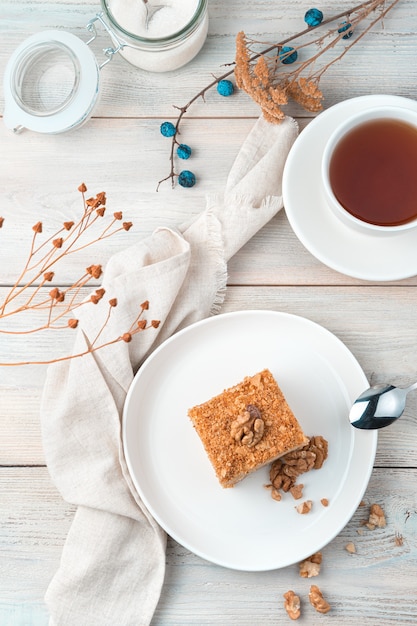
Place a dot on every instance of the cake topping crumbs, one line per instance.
(324, 502)
(249, 426)
(317, 601)
(399, 539)
(292, 604)
(311, 566)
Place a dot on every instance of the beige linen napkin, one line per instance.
(113, 561)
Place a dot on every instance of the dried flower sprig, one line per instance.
(265, 74)
(267, 78)
(59, 306)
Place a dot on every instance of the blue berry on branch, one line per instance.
(186, 179)
(167, 129)
(184, 151)
(225, 88)
(313, 17)
(345, 26)
(288, 55)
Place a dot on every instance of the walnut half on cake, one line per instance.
(246, 427)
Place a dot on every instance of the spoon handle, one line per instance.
(411, 387)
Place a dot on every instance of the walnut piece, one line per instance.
(311, 566)
(292, 604)
(304, 507)
(249, 427)
(284, 471)
(350, 547)
(297, 491)
(317, 601)
(324, 502)
(376, 517)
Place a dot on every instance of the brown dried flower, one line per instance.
(271, 78)
(155, 323)
(1, 221)
(101, 197)
(101, 211)
(94, 270)
(57, 295)
(127, 225)
(60, 305)
(145, 305)
(118, 215)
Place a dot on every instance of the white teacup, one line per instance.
(375, 189)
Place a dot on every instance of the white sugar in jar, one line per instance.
(175, 34)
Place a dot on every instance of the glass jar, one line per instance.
(171, 38)
(52, 80)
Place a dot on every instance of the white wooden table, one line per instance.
(121, 151)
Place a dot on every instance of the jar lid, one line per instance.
(51, 83)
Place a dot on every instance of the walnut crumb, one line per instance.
(297, 491)
(285, 470)
(350, 547)
(305, 507)
(376, 517)
(324, 502)
(311, 566)
(292, 604)
(317, 601)
(399, 540)
(275, 494)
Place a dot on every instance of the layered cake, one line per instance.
(246, 427)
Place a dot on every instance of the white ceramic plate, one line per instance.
(243, 527)
(361, 255)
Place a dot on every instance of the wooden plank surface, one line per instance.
(121, 151)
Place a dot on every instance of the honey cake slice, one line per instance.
(246, 427)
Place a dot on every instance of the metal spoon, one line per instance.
(151, 9)
(379, 406)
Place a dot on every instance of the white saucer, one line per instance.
(360, 255)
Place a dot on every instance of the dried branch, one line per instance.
(265, 74)
(59, 307)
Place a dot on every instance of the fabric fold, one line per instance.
(113, 561)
